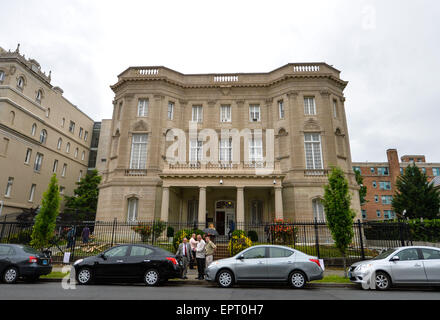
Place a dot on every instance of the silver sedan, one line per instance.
(405, 265)
(268, 263)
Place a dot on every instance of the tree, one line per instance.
(415, 195)
(339, 214)
(362, 188)
(45, 221)
(85, 199)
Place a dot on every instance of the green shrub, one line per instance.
(184, 233)
(253, 235)
(238, 243)
(238, 233)
(170, 232)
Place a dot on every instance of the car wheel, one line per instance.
(225, 279)
(10, 275)
(382, 280)
(152, 278)
(84, 276)
(297, 279)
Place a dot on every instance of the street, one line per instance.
(170, 291)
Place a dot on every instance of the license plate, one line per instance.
(44, 262)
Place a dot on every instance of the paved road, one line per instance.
(54, 291)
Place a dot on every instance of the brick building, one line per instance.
(380, 179)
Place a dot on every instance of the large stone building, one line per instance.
(299, 109)
(41, 133)
(380, 180)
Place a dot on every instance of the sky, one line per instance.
(388, 51)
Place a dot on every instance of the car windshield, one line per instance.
(384, 254)
(30, 250)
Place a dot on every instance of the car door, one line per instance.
(5, 252)
(409, 268)
(113, 264)
(431, 262)
(279, 263)
(138, 260)
(252, 264)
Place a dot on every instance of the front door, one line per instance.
(230, 217)
(113, 264)
(220, 222)
(409, 268)
(253, 265)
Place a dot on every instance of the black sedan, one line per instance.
(19, 261)
(129, 263)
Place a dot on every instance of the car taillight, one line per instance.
(316, 261)
(33, 259)
(173, 260)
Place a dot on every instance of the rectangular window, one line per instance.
(81, 130)
(364, 214)
(195, 150)
(38, 162)
(309, 106)
(256, 211)
(55, 166)
(138, 158)
(385, 185)
(63, 173)
(373, 170)
(225, 113)
(132, 209)
(80, 175)
(62, 189)
(197, 114)
(312, 142)
(2, 76)
(32, 193)
(226, 150)
(424, 170)
(143, 107)
(401, 170)
(378, 213)
(335, 109)
(357, 169)
(86, 135)
(27, 159)
(9, 187)
(170, 110)
(254, 113)
(387, 199)
(382, 171)
(376, 198)
(281, 109)
(436, 172)
(255, 149)
(72, 127)
(388, 214)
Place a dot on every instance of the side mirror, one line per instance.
(102, 255)
(240, 257)
(395, 258)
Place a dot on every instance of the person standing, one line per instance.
(209, 250)
(231, 228)
(85, 235)
(193, 242)
(184, 253)
(200, 256)
(70, 238)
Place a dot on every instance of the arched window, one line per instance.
(60, 142)
(47, 112)
(68, 147)
(76, 153)
(2, 76)
(132, 209)
(39, 96)
(83, 155)
(63, 121)
(318, 210)
(20, 82)
(34, 129)
(43, 136)
(12, 117)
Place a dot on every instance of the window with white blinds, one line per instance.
(225, 113)
(309, 106)
(143, 107)
(138, 159)
(318, 210)
(197, 113)
(312, 142)
(226, 150)
(132, 209)
(255, 149)
(195, 150)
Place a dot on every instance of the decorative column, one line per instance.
(202, 208)
(240, 208)
(165, 204)
(278, 202)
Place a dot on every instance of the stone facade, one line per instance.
(34, 120)
(295, 101)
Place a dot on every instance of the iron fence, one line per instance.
(84, 238)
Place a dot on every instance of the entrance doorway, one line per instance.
(224, 213)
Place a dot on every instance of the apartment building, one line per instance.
(210, 148)
(380, 179)
(41, 133)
